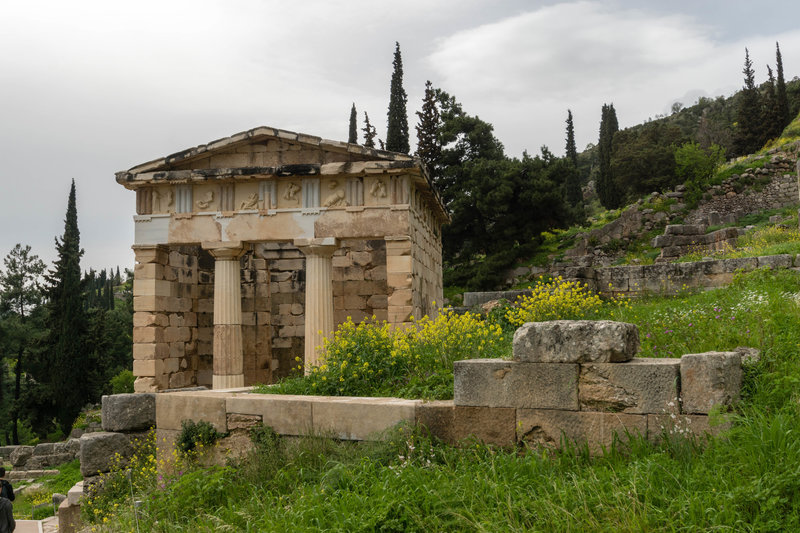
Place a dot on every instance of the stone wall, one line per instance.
(576, 379)
(680, 239)
(738, 196)
(660, 278)
(427, 283)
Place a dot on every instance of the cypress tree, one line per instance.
(397, 128)
(749, 129)
(771, 116)
(352, 137)
(572, 151)
(369, 132)
(606, 187)
(782, 102)
(65, 358)
(429, 145)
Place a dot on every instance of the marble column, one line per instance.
(319, 294)
(228, 354)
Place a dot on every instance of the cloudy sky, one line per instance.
(93, 87)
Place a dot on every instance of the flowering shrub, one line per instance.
(556, 299)
(371, 358)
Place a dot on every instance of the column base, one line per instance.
(234, 381)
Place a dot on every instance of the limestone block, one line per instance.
(498, 383)
(709, 379)
(69, 517)
(398, 264)
(286, 414)
(490, 425)
(145, 384)
(400, 314)
(378, 301)
(45, 448)
(682, 425)
(541, 427)
(173, 408)
(151, 254)
(642, 385)
(775, 261)
(400, 297)
(740, 263)
(341, 261)
(150, 350)
(361, 258)
(150, 303)
(102, 451)
(144, 319)
(437, 419)
(20, 456)
(576, 341)
(128, 412)
(361, 418)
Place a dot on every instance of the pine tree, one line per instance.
(397, 127)
(572, 151)
(369, 132)
(20, 296)
(429, 146)
(607, 190)
(352, 137)
(749, 129)
(782, 102)
(64, 363)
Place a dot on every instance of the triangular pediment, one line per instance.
(264, 147)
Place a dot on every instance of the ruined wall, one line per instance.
(681, 239)
(359, 281)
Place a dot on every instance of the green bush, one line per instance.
(195, 436)
(122, 383)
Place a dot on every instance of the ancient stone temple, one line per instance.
(251, 249)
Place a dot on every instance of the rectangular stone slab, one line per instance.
(709, 379)
(489, 425)
(642, 385)
(576, 341)
(286, 414)
(545, 427)
(499, 383)
(360, 418)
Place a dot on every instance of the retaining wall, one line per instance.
(634, 280)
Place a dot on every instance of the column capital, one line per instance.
(224, 250)
(321, 246)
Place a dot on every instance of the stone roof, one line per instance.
(265, 132)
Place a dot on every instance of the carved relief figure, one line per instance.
(251, 202)
(156, 201)
(206, 201)
(378, 189)
(336, 198)
(170, 199)
(291, 193)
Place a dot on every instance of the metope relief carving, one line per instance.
(378, 189)
(290, 194)
(251, 202)
(336, 196)
(206, 200)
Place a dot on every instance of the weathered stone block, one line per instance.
(775, 261)
(709, 379)
(361, 418)
(173, 408)
(102, 451)
(540, 427)
(128, 412)
(576, 341)
(286, 414)
(490, 425)
(498, 383)
(682, 425)
(20, 455)
(437, 419)
(642, 385)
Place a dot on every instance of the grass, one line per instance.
(749, 480)
(68, 475)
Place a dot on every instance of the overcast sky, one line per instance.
(93, 87)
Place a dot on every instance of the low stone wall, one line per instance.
(680, 239)
(577, 380)
(41, 456)
(634, 280)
